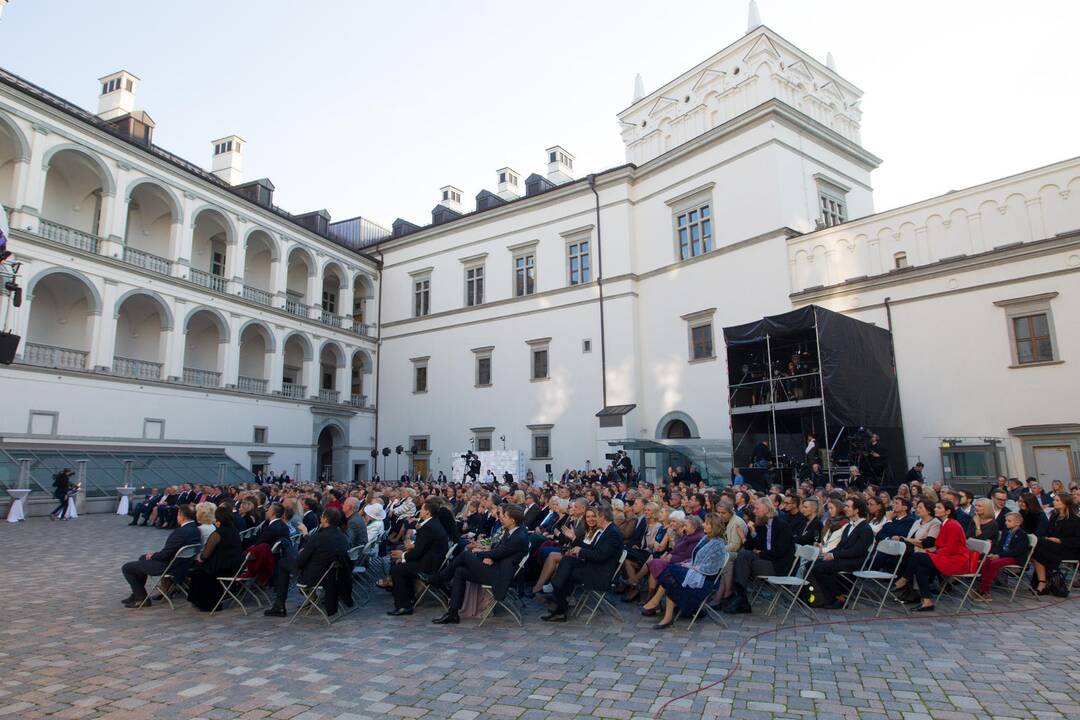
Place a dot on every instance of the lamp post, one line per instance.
(385, 454)
(397, 461)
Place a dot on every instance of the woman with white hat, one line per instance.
(374, 515)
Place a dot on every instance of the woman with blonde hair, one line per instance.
(204, 516)
(986, 527)
(684, 586)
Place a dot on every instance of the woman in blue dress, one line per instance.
(684, 586)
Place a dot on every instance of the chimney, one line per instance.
(227, 161)
(117, 95)
(509, 184)
(560, 165)
(451, 198)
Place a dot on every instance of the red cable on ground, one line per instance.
(853, 621)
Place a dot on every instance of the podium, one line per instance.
(124, 505)
(16, 512)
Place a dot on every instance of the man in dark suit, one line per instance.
(534, 511)
(311, 513)
(849, 555)
(816, 477)
(494, 567)
(899, 520)
(769, 549)
(137, 571)
(590, 564)
(323, 549)
(272, 530)
(634, 542)
(142, 509)
(1000, 498)
(422, 558)
(62, 486)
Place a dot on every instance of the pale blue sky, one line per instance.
(369, 107)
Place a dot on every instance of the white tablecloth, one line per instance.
(71, 513)
(15, 512)
(125, 500)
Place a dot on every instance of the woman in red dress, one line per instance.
(949, 556)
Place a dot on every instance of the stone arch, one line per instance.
(22, 146)
(222, 321)
(305, 343)
(665, 423)
(108, 183)
(95, 296)
(313, 266)
(342, 357)
(166, 312)
(177, 207)
(275, 248)
(230, 229)
(268, 334)
(368, 282)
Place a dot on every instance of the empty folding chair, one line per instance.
(705, 607)
(880, 581)
(429, 589)
(598, 598)
(236, 586)
(966, 580)
(184, 554)
(311, 595)
(1018, 572)
(792, 585)
(1070, 580)
(510, 601)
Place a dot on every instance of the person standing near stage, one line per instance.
(61, 488)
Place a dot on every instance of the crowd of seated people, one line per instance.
(685, 542)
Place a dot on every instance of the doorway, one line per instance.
(420, 467)
(1053, 463)
(325, 453)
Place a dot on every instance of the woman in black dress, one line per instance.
(220, 557)
(1062, 540)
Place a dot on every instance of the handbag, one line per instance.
(1056, 585)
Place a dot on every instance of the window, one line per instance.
(329, 302)
(540, 364)
(699, 327)
(420, 445)
(502, 177)
(586, 346)
(1031, 329)
(259, 436)
(524, 274)
(421, 297)
(541, 441)
(694, 231)
(833, 208)
(552, 157)
(1032, 337)
(900, 260)
(420, 379)
(482, 438)
(217, 263)
(578, 257)
(483, 366)
(474, 286)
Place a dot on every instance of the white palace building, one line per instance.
(177, 325)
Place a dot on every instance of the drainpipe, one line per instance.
(378, 354)
(888, 313)
(600, 287)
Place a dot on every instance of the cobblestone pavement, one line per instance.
(69, 650)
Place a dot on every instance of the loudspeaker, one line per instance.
(547, 468)
(9, 343)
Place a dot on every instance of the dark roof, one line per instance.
(611, 410)
(55, 101)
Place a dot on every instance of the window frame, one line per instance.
(476, 281)
(524, 255)
(537, 432)
(1024, 307)
(418, 364)
(693, 201)
(480, 354)
(536, 346)
(829, 190)
(695, 321)
(418, 278)
(483, 434)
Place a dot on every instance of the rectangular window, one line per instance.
(329, 302)
(217, 264)
(420, 376)
(586, 346)
(539, 364)
(483, 443)
(524, 275)
(694, 231)
(483, 371)
(833, 209)
(259, 436)
(421, 297)
(1032, 337)
(701, 342)
(474, 286)
(578, 257)
(541, 446)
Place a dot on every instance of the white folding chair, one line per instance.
(792, 585)
(705, 607)
(1071, 579)
(598, 598)
(311, 595)
(236, 587)
(966, 580)
(186, 553)
(430, 589)
(510, 602)
(880, 580)
(1017, 572)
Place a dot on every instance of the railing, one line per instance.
(362, 329)
(202, 378)
(251, 385)
(141, 369)
(201, 277)
(329, 318)
(357, 400)
(330, 396)
(292, 390)
(54, 357)
(258, 295)
(296, 307)
(146, 260)
(69, 236)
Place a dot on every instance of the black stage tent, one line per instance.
(850, 383)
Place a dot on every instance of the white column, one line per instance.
(174, 344)
(179, 248)
(235, 259)
(313, 294)
(231, 351)
(277, 367)
(19, 179)
(1035, 218)
(344, 306)
(343, 380)
(975, 227)
(279, 277)
(312, 372)
(32, 198)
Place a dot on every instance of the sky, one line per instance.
(368, 108)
